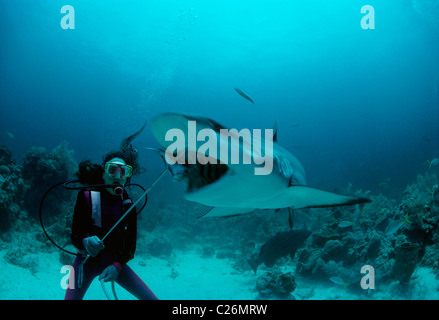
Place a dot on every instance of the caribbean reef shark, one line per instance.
(234, 188)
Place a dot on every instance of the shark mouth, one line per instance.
(198, 175)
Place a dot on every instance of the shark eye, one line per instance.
(294, 181)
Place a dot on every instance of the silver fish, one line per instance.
(244, 95)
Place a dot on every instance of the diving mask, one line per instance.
(125, 171)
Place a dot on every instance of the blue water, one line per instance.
(355, 106)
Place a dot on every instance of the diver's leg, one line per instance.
(89, 273)
(131, 282)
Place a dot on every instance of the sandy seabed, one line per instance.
(190, 277)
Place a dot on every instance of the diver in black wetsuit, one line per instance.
(95, 214)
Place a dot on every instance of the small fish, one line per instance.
(244, 95)
(339, 281)
(406, 219)
(10, 134)
(432, 163)
(385, 183)
(394, 225)
(357, 213)
(345, 224)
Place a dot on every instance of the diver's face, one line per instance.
(116, 176)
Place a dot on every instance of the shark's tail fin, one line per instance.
(254, 264)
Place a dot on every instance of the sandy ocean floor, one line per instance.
(212, 279)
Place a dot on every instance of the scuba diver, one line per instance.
(96, 213)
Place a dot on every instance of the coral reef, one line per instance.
(395, 236)
(12, 189)
(41, 170)
(21, 190)
(392, 237)
(159, 247)
(275, 284)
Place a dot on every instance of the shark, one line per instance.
(232, 189)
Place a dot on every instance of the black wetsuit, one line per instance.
(120, 245)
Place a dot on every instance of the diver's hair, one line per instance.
(116, 154)
(90, 173)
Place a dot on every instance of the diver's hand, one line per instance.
(93, 245)
(110, 273)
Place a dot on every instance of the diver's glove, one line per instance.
(110, 273)
(93, 245)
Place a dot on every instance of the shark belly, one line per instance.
(239, 191)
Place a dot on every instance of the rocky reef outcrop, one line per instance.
(43, 169)
(276, 284)
(12, 189)
(392, 236)
(21, 190)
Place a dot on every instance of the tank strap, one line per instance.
(96, 214)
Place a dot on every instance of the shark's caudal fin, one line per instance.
(307, 197)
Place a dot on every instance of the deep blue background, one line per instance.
(355, 106)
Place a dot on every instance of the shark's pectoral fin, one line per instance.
(225, 212)
(307, 197)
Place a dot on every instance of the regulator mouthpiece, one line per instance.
(118, 190)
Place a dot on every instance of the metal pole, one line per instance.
(126, 213)
(134, 204)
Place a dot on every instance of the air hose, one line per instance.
(66, 185)
(106, 292)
